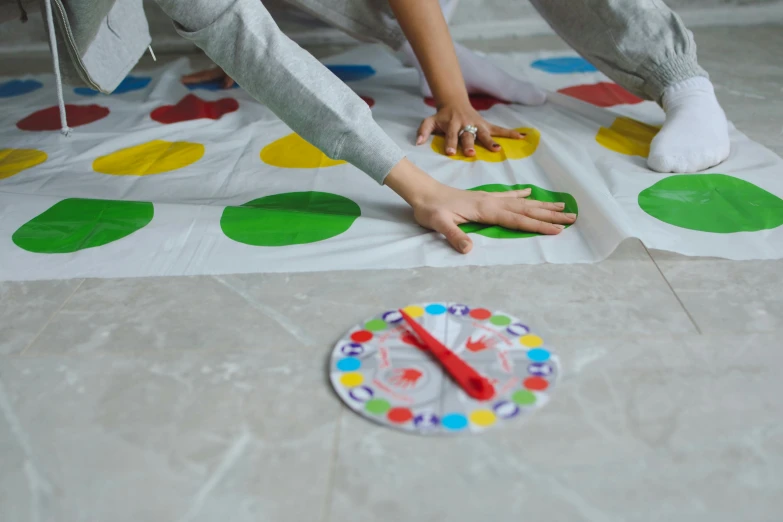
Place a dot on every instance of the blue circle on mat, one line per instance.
(538, 355)
(211, 85)
(435, 309)
(564, 65)
(348, 364)
(18, 87)
(352, 73)
(129, 84)
(454, 421)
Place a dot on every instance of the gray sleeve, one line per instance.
(242, 38)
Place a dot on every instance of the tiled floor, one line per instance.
(206, 398)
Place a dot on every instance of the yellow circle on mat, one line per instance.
(351, 379)
(293, 152)
(153, 157)
(414, 311)
(511, 149)
(627, 136)
(14, 161)
(531, 341)
(482, 418)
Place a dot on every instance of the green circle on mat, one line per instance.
(291, 218)
(524, 397)
(377, 406)
(712, 203)
(76, 224)
(537, 193)
(500, 320)
(375, 325)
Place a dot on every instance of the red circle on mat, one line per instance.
(480, 313)
(49, 119)
(536, 383)
(369, 101)
(191, 107)
(399, 415)
(362, 336)
(480, 102)
(603, 94)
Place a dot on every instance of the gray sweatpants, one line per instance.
(242, 38)
(640, 44)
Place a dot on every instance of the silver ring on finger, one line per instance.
(469, 128)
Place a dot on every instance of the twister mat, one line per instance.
(163, 179)
(381, 370)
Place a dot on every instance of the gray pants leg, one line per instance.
(242, 38)
(640, 44)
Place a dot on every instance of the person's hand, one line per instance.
(208, 75)
(449, 120)
(443, 208)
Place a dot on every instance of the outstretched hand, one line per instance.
(449, 120)
(443, 208)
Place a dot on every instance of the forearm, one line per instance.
(426, 30)
(242, 38)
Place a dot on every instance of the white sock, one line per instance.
(483, 77)
(695, 135)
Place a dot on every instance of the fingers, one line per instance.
(458, 239)
(467, 140)
(506, 133)
(516, 221)
(513, 194)
(550, 216)
(542, 211)
(203, 76)
(485, 138)
(426, 129)
(527, 215)
(452, 137)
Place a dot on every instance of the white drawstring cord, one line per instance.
(58, 80)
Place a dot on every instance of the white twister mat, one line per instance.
(158, 179)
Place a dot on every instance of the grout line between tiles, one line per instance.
(327, 507)
(674, 292)
(49, 320)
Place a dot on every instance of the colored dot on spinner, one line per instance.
(377, 406)
(506, 409)
(538, 355)
(500, 320)
(535, 383)
(531, 341)
(539, 369)
(435, 309)
(399, 415)
(361, 393)
(349, 380)
(524, 397)
(459, 310)
(483, 418)
(349, 364)
(414, 311)
(352, 349)
(454, 421)
(392, 317)
(362, 336)
(426, 421)
(375, 325)
(518, 329)
(480, 313)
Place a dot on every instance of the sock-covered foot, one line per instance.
(483, 77)
(695, 135)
